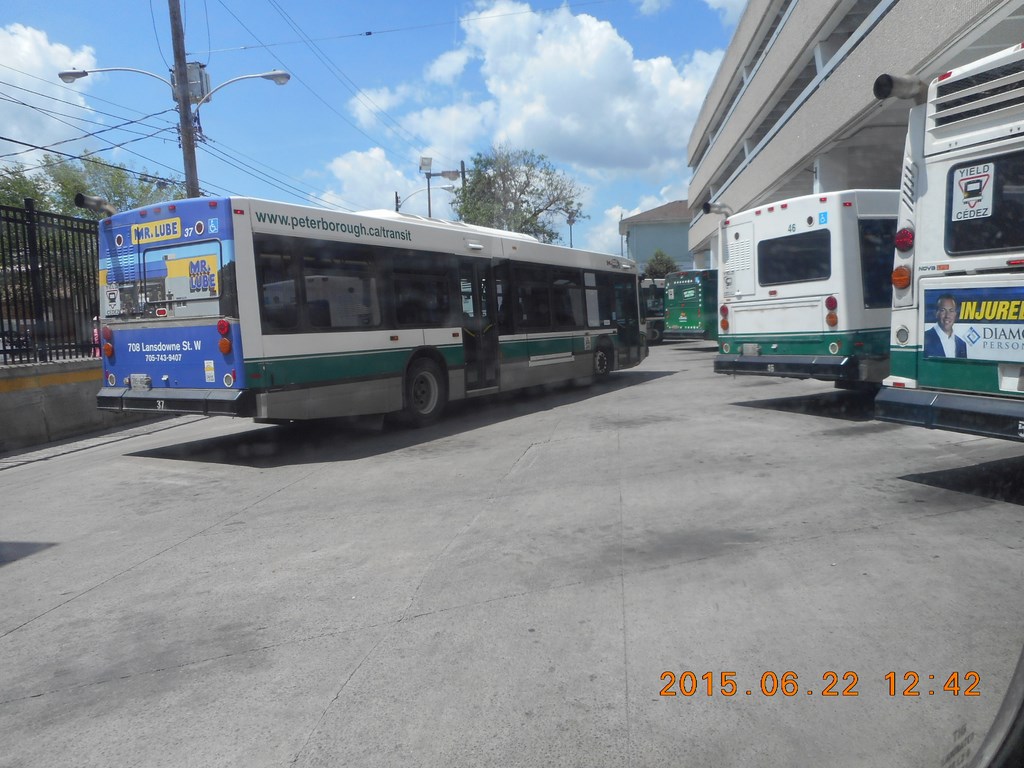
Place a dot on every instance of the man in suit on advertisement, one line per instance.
(939, 340)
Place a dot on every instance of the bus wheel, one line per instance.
(602, 360)
(425, 393)
(654, 334)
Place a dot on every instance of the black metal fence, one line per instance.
(48, 286)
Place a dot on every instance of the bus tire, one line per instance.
(426, 392)
(654, 334)
(602, 360)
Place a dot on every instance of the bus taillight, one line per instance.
(832, 319)
(901, 277)
(831, 303)
(724, 312)
(108, 341)
(904, 240)
(224, 328)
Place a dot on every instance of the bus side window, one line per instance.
(876, 249)
(422, 301)
(278, 302)
(504, 298)
(567, 299)
(341, 289)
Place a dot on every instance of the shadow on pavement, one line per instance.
(1001, 480)
(312, 442)
(15, 550)
(848, 405)
(690, 346)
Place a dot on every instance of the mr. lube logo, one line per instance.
(155, 231)
(201, 279)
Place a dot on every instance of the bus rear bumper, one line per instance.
(825, 368)
(972, 414)
(700, 334)
(208, 402)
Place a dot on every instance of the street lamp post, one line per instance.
(185, 116)
(425, 163)
(180, 91)
(399, 202)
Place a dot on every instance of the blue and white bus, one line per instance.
(280, 312)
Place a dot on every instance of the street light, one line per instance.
(180, 95)
(399, 202)
(277, 76)
(70, 75)
(425, 163)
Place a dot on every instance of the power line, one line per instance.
(411, 28)
(313, 194)
(93, 134)
(347, 82)
(169, 126)
(266, 178)
(156, 35)
(81, 158)
(74, 104)
(306, 85)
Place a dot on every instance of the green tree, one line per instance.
(56, 181)
(659, 265)
(518, 190)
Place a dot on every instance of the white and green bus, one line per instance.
(803, 288)
(280, 312)
(958, 274)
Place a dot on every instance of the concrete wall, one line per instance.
(43, 403)
(839, 124)
(672, 239)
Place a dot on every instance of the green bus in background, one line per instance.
(691, 304)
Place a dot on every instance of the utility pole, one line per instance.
(181, 95)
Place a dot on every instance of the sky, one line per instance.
(606, 90)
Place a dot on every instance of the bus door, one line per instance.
(479, 324)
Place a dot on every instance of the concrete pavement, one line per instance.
(511, 586)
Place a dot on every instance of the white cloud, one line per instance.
(369, 180)
(602, 234)
(651, 7)
(31, 63)
(455, 130)
(448, 66)
(570, 87)
(567, 86)
(729, 10)
(372, 102)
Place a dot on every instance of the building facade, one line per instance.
(665, 228)
(791, 110)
